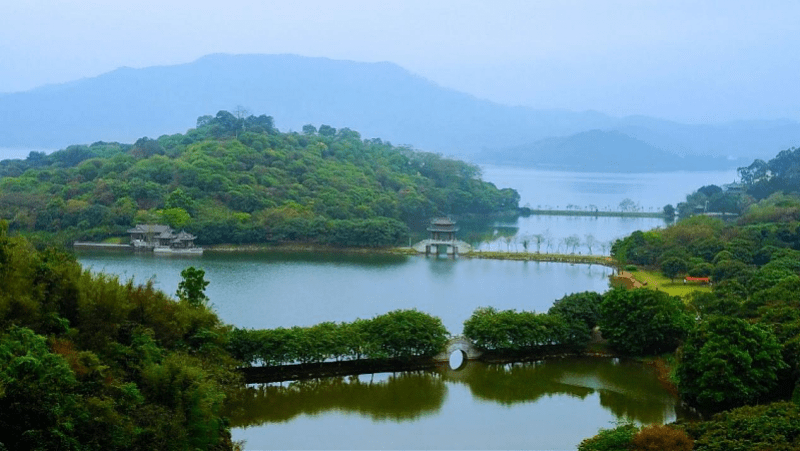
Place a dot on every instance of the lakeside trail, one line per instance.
(628, 279)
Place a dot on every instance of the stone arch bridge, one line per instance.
(459, 343)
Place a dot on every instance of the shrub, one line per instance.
(617, 439)
(662, 438)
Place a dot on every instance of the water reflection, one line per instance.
(400, 397)
(626, 389)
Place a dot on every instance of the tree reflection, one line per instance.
(405, 396)
(627, 389)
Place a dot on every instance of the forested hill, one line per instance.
(240, 180)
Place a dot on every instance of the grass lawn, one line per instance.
(655, 280)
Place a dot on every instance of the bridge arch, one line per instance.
(459, 343)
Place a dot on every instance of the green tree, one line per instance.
(38, 403)
(192, 286)
(673, 267)
(642, 321)
(580, 311)
(727, 362)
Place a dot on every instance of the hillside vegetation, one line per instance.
(237, 179)
(741, 356)
(90, 363)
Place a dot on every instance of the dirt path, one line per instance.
(628, 280)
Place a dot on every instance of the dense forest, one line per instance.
(91, 363)
(740, 357)
(237, 179)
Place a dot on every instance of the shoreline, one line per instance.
(604, 260)
(618, 214)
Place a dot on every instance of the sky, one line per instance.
(697, 61)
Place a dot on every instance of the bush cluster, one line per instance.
(397, 334)
(629, 437)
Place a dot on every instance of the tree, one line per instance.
(627, 205)
(327, 130)
(669, 211)
(581, 313)
(673, 266)
(38, 406)
(309, 129)
(192, 288)
(590, 242)
(727, 362)
(642, 321)
(572, 242)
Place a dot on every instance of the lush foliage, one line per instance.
(768, 427)
(642, 321)
(727, 362)
(239, 180)
(397, 334)
(509, 330)
(781, 173)
(89, 363)
(629, 437)
(616, 439)
(580, 313)
(192, 286)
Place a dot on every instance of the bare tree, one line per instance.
(539, 238)
(571, 241)
(590, 241)
(548, 238)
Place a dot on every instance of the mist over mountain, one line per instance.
(602, 151)
(378, 99)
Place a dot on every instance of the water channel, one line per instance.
(545, 405)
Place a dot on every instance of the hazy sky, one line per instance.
(692, 61)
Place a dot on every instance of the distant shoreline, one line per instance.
(618, 214)
(310, 248)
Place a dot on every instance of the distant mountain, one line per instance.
(601, 151)
(381, 100)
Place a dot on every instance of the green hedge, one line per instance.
(397, 334)
(509, 330)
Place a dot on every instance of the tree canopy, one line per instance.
(236, 179)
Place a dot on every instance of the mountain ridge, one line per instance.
(381, 100)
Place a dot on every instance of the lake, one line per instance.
(586, 191)
(545, 405)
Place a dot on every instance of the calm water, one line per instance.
(549, 405)
(587, 191)
(266, 290)
(545, 405)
